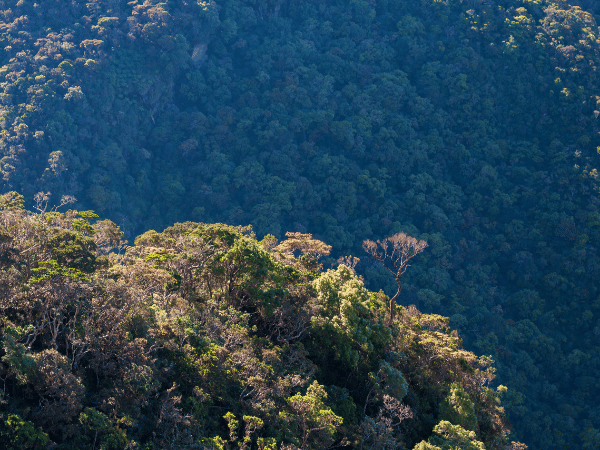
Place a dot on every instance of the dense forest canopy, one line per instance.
(472, 125)
(202, 337)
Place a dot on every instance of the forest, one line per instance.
(469, 124)
(202, 337)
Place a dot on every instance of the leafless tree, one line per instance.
(381, 432)
(42, 198)
(394, 253)
(349, 261)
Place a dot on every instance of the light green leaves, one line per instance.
(451, 437)
(308, 417)
(458, 408)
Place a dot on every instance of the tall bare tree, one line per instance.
(394, 253)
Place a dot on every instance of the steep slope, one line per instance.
(201, 337)
(470, 124)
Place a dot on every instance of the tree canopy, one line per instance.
(471, 125)
(202, 337)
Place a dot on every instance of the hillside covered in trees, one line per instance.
(202, 337)
(471, 124)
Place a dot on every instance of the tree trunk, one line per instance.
(393, 301)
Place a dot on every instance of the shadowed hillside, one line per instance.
(472, 125)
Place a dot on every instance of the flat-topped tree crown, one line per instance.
(310, 248)
(394, 253)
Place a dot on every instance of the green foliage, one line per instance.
(18, 434)
(87, 215)
(451, 437)
(97, 429)
(73, 249)
(11, 200)
(49, 270)
(249, 271)
(310, 419)
(458, 408)
(143, 350)
(395, 383)
(342, 404)
(20, 362)
(469, 124)
(430, 299)
(267, 444)
(344, 325)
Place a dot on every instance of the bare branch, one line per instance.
(42, 198)
(65, 200)
(394, 253)
(349, 261)
(41, 201)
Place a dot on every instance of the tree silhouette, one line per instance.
(394, 253)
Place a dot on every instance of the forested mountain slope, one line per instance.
(201, 337)
(470, 124)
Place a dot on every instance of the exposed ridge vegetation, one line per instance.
(202, 337)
